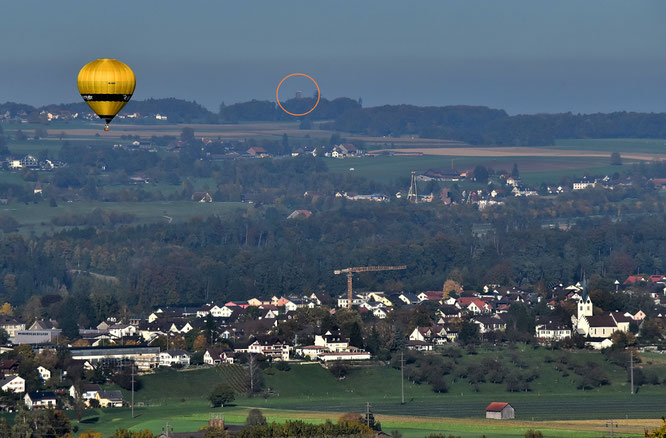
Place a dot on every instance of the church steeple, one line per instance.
(585, 303)
(585, 297)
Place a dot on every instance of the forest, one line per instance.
(478, 125)
(485, 126)
(260, 253)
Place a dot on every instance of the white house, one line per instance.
(174, 357)
(10, 325)
(344, 150)
(122, 330)
(277, 351)
(13, 384)
(290, 306)
(40, 400)
(357, 300)
(221, 311)
(331, 341)
(379, 313)
(473, 305)
(583, 184)
(44, 373)
(331, 347)
(216, 356)
(88, 391)
(408, 298)
(552, 330)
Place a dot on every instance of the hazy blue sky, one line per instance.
(520, 55)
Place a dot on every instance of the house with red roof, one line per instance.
(257, 151)
(431, 295)
(473, 305)
(300, 214)
(500, 411)
(634, 279)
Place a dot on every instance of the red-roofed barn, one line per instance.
(500, 411)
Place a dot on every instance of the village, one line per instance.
(234, 331)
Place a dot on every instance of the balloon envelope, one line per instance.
(106, 85)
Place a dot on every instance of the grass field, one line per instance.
(37, 217)
(533, 170)
(311, 393)
(626, 145)
(190, 417)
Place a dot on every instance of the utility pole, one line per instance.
(611, 424)
(251, 374)
(631, 369)
(166, 429)
(132, 389)
(367, 414)
(402, 377)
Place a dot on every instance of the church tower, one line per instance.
(585, 303)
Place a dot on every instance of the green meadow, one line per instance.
(37, 217)
(553, 405)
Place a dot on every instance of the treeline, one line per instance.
(470, 124)
(263, 110)
(178, 110)
(482, 125)
(184, 111)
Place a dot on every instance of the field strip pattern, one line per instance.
(519, 151)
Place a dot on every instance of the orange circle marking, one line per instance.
(278, 90)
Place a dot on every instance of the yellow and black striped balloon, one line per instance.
(106, 85)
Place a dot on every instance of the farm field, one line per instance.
(94, 130)
(311, 393)
(524, 151)
(191, 417)
(533, 170)
(37, 217)
(622, 145)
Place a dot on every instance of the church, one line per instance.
(597, 328)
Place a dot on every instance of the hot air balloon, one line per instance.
(106, 85)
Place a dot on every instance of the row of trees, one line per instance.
(482, 125)
(183, 111)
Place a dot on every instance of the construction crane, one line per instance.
(350, 273)
(413, 194)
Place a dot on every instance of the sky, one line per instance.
(525, 56)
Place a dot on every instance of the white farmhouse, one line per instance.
(44, 373)
(174, 357)
(14, 384)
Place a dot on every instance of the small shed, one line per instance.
(500, 411)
